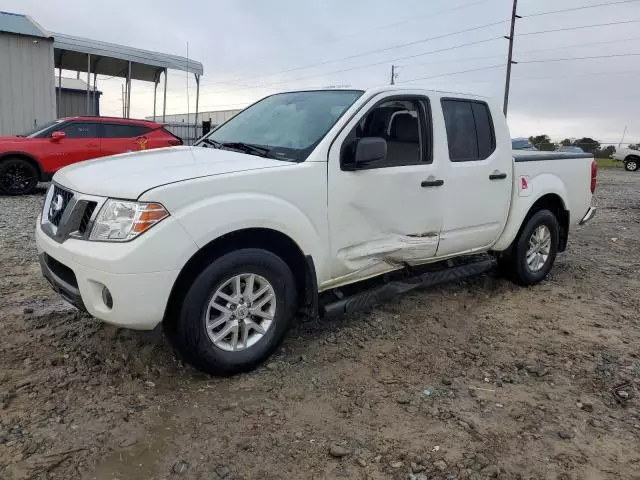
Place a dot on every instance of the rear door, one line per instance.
(81, 142)
(122, 138)
(479, 176)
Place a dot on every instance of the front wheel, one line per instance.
(534, 250)
(632, 165)
(17, 176)
(235, 313)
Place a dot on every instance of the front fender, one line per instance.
(219, 215)
(539, 186)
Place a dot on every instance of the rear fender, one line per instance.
(521, 204)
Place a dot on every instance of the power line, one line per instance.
(575, 45)
(581, 58)
(608, 4)
(578, 27)
(384, 62)
(452, 73)
(362, 54)
(403, 22)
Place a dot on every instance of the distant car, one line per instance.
(630, 158)
(36, 155)
(570, 149)
(522, 144)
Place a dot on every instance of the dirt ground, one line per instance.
(479, 379)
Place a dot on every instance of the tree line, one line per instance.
(587, 144)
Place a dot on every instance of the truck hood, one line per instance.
(131, 174)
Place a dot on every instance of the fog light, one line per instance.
(106, 297)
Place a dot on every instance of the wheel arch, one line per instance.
(552, 201)
(25, 156)
(276, 242)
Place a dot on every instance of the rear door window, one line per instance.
(470, 132)
(115, 130)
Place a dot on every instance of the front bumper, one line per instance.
(588, 216)
(80, 270)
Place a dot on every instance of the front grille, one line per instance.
(59, 202)
(86, 217)
(63, 272)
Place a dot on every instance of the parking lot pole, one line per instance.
(129, 91)
(88, 82)
(195, 137)
(59, 109)
(164, 104)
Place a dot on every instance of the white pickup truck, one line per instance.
(316, 201)
(630, 158)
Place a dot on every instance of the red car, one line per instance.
(35, 156)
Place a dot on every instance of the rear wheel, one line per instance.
(534, 250)
(632, 164)
(17, 176)
(235, 313)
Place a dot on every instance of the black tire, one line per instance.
(514, 264)
(187, 331)
(18, 176)
(632, 164)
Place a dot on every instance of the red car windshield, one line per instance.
(40, 129)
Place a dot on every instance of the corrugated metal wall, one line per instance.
(74, 103)
(26, 83)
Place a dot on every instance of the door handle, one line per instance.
(497, 175)
(432, 183)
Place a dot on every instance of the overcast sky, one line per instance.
(251, 48)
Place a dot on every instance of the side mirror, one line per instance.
(57, 136)
(364, 152)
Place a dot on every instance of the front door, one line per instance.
(479, 177)
(387, 214)
(81, 142)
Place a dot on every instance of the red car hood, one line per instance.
(12, 140)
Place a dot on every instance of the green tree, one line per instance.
(605, 152)
(542, 142)
(566, 142)
(587, 144)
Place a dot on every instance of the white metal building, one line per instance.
(27, 95)
(72, 98)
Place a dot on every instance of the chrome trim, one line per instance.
(71, 217)
(588, 216)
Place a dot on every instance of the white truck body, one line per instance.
(350, 225)
(630, 158)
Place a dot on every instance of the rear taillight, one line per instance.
(594, 176)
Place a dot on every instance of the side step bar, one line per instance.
(382, 293)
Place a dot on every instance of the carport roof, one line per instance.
(113, 59)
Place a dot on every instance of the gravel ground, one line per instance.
(478, 379)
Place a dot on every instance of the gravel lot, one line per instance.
(479, 379)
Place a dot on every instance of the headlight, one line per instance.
(120, 220)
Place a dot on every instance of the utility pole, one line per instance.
(624, 133)
(514, 16)
(394, 75)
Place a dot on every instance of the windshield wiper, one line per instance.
(248, 148)
(213, 143)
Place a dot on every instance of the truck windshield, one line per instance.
(284, 126)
